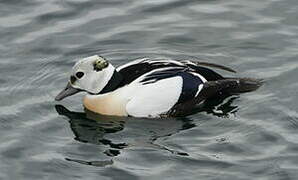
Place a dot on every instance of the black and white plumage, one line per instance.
(151, 88)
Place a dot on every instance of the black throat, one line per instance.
(113, 83)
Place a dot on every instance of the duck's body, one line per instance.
(151, 88)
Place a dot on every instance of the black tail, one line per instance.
(242, 85)
(221, 88)
(228, 86)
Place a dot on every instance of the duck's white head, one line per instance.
(93, 75)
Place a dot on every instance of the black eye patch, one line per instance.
(72, 79)
(79, 75)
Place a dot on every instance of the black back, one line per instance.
(132, 72)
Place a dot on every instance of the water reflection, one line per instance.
(89, 127)
(221, 107)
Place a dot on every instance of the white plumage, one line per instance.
(149, 88)
(153, 100)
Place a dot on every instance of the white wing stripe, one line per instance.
(131, 63)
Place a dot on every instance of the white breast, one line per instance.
(138, 100)
(107, 104)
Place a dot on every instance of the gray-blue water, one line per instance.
(254, 136)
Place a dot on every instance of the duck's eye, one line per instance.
(79, 75)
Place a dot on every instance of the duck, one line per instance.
(151, 88)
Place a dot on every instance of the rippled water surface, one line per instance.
(253, 136)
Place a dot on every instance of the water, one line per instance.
(253, 136)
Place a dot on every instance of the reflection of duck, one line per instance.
(143, 132)
(221, 107)
(94, 128)
(150, 88)
(90, 127)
